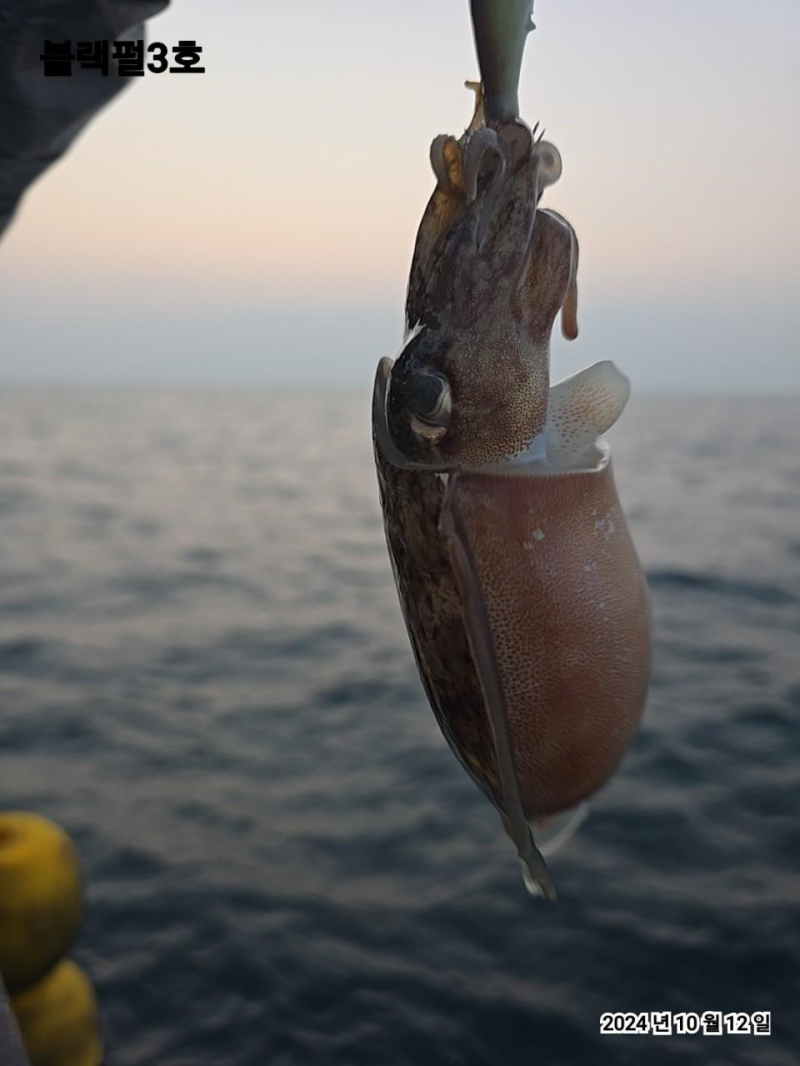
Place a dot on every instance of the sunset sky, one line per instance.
(254, 224)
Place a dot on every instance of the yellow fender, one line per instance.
(58, 1019)
(41, 897)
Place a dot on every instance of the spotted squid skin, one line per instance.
(411, 502)
(499, 361)
(568, 613)
(481, 248)
(524, 599)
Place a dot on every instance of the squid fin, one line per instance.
(554, 830)
(583, 407)
(534, 869)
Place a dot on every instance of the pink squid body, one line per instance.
(567, 610)
(563, 600)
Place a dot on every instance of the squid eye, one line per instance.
(549, 160)
(430, 403)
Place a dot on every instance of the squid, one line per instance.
(522, 593)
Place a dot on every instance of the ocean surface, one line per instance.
(205, 679)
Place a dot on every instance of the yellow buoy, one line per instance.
(58, 1019)
(40, 897)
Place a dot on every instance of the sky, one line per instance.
(254, 225)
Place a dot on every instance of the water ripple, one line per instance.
(204, 677)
